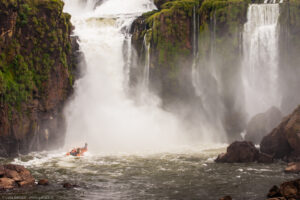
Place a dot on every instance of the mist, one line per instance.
(101, 113)
(230, 79)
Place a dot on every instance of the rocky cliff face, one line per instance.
(284, 141)
(289, 47)
(192, 32)
(169, 33)
(36, 74)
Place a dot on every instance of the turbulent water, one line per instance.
(260, 70)
(186, 174)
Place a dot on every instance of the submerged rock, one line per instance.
(262, 124)
(287, 190)
(293, 168)
(274, 192)
(13, 176)
(291, 189)
(69, 185)
(284, 141)
(226, 198)
(43, 182)
(243, 152)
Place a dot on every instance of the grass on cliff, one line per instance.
(37, 44)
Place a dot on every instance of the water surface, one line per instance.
(176, 175)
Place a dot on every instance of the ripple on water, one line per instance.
(152, 176)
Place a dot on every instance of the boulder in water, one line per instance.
(243, 152)
(69, 185)
(262, 124)
(43, 182)
(293, 168)
(13, 176)
(7, 183)
(284, 141)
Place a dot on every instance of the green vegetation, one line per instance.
(38, 44)
(170, 32)
(223, 20)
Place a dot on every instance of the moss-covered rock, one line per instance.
(218, 26)
(169, 32)
(36, 73)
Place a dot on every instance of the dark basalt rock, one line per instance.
(243, 152)
(274, 192)
(69, 185)
(289, 190)
(284, 141)
(264, 158)
(262, 124)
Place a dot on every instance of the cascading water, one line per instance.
(147, 63)
(260, 65)
(195, 74)
(101, 113)
(127, 57)
(206, 84)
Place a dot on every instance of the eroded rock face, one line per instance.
(262, 124)
(243, 152)
(284, 141)
(170, 31)
(14, 176)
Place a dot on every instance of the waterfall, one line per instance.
(101, 113)
(195, 72)
(127, 58)
(146, 73)
(260, 64)
(206, 85)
